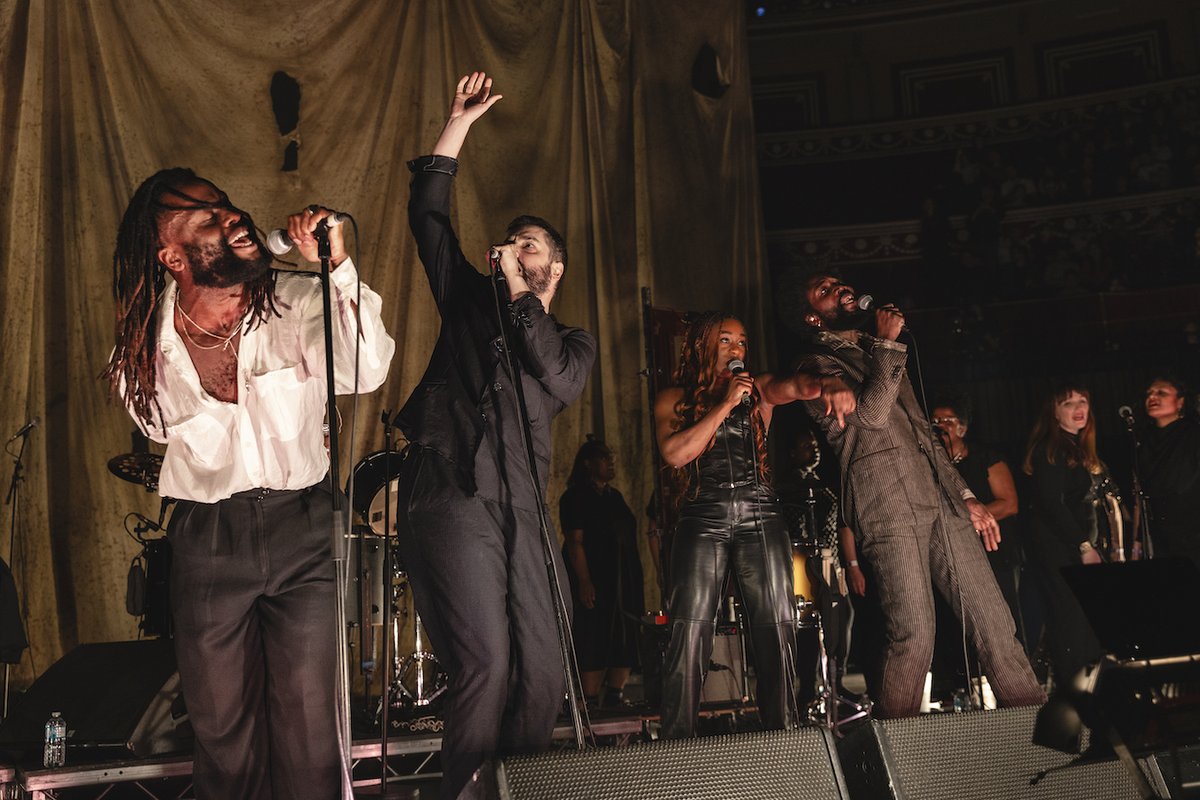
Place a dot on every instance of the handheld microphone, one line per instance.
(493, 257)
(736, 367)
(26, 428)
(1127, 414)
(866, 302)
(279, 243)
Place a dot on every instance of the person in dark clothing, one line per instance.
(712, 427)
(988, 476)
(600, 549)
(1062, 462)
(470, 535)
(1169, 469)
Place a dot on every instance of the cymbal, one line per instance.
(139, 468)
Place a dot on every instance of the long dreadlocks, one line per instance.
(699, 376)
(138, 284)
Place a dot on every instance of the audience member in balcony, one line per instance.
(937, 237)
(914, 517)
(1066, 474)
(1169, 468)
(983, 235)
(1052, 189)
(1017, 190)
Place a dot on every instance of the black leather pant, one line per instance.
(730, 529)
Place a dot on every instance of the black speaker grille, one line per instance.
(989, 754)
(794, 765)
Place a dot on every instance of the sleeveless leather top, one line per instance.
(730, 463)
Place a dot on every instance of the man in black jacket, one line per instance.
(470, 538)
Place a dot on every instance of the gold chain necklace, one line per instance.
(225, 343)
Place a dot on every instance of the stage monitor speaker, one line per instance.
(778, 765)
(114, 696)
(975, 755)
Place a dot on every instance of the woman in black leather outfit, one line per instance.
(712, 429)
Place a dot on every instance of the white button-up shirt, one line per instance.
(272, 436)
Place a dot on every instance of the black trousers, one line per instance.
(481, 586)
(740, 532)
(252, 591)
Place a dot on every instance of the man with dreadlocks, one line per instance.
(915, 520)
(222, 359)
(712, 428)
(471, 537)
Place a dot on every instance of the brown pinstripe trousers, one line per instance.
(940, 550)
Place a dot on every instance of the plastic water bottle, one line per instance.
(55, 752)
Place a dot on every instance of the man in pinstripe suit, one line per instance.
(915, 520)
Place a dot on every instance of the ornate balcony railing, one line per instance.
(845, 245)
(1012, 123)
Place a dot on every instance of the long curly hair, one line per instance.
(138, 284)
(700, 377)
(1049, 438)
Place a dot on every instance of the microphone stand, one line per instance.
(566, 643)
(1143, 544)
(337, 535)
(14, 500)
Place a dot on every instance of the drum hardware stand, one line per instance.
(14, 501)
(828, 702)
(366, 639)
(412, 664)
(389, 606)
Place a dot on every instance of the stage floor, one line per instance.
(412, 766)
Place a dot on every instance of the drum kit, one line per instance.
(414, 679)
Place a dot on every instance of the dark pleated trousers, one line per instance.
(481, 585)
(252, 591)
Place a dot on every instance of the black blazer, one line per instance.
(466, 387)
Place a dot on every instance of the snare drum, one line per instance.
(374, 477)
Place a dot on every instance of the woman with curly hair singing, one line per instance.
(711, 427)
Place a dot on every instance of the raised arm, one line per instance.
(429, 196)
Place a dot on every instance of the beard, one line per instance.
(537, 278)
(842, 319)
(216, 266)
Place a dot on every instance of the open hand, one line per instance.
(473, 97)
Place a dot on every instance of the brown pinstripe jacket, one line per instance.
(886, 449)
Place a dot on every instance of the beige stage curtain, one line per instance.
(600, 131)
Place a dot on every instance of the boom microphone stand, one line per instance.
(1143, 544)
(14, 501)
(339, 530)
